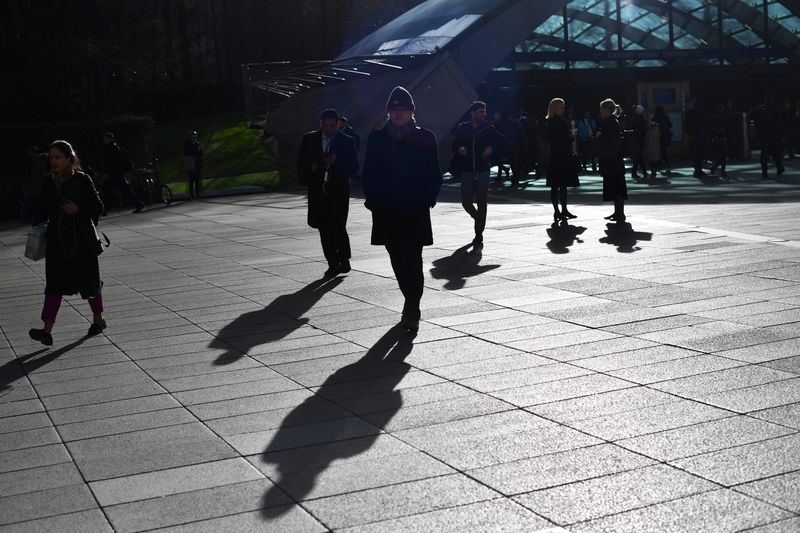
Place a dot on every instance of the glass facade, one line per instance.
(656, 33)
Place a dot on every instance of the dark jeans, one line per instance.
(775, 151)
(698, 147)
(406, 261)
(194, 183)
(335, 243)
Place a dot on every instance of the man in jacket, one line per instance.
(474, 142)
(326, 161)
(115, 163)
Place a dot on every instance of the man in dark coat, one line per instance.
(115, 163)
(474, 142)
(769, 127)
(401, 181)
(326, 162)
(698, 126)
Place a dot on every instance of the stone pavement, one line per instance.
(591, 376)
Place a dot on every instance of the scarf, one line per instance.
(397, 134)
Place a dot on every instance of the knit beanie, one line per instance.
(400, 97)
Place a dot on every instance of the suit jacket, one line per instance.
(328, 203)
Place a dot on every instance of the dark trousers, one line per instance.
(775, 151)
(585, 149)
(699, 150)
(194, 183)
(127, 194)
(406, 261)
(335, 243)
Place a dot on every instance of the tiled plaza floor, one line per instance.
(590, 376)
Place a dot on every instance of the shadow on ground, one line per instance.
(562, 236)
(459, 266)
(623, 236)
(366, 386)
(17, 368)
(277, 320)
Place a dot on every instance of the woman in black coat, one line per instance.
(661, 118)
(608, 146)
(71, 206)
(401, 181)
(562, 166)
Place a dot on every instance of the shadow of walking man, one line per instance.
(459, 266)
(366, 386)
(277, 320)
(562, 236)
(622, 235)
(18, 368)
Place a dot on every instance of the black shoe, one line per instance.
(332, 271)
(557, 217)
(567, 214)
(138, 208)
(344, 267)
(781, 171)
(41, 336)
(96, 328)
(619, 218)
(409, 324)
(612, 216)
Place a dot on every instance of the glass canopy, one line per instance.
(653, 33)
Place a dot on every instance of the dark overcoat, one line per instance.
(328, 205)
(71, 264)
(562, 167)
(401, 181)
(608, 144)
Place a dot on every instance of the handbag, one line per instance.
(36, 245)
(94, 239)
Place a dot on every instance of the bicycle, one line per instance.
(149, 185)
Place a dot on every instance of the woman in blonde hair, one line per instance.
(71, 206)
(562, 166)
(608, 148)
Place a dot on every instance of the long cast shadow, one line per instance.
(355, 388)
(277, 320)
(562, 236)
(459, 266)
(623, 236)
(17, 368)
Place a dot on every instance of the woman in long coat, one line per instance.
(401, 181)
(608, 146)
(71, 207)
(562, 166)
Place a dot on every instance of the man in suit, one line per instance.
(326, 161)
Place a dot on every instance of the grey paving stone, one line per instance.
(147, 450)
(602, 404)
(676, 368)
(612, 494)
(564, 389)
(648, 420)
(250, 404)
(24, 422)
(27, 439)
(715, 511)
(398, 500)
(564, 342)
(634, 358)
(124, 424)
(530, 332)
(22, 407)
(176, 509)
(516, 360)
(782, 491)
(377, 385)
(524, 377)
(300, 435)
(51, 502)
(230, 377)
(788, 364)
(746, 463)
(492, 515)
(310, 352)
(63, 374)
(112, 381)
(173, 481)
(314, 409)
(80, 522)
(787, 415)
(112, 409)
(560, 468)
(656, 324)
(436, 412)
(410, 397)
(757, 397)
(593, 349)
(782, 526)
(39, 479)
(34, 457)
(703, 437)
(112, 394)
(238, 390)
(722, 380)
(288, 518)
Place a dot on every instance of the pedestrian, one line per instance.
(638, 124)
(652, 148)
(665, 129)
(608, 148)
(474, 142)
(193, 163)
(347, 129)
(719, 152)
(770, 128)
(586, 128)
(401, 181)
(71, 207)
(562, 164)
(698, 126)
(115, 163)
(325, 163)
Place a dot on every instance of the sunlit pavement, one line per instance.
(591, 376)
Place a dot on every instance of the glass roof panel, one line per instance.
(741, 32)
(553, 25)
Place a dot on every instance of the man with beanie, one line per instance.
(472, 147)
(401, 181)
(326, 162)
